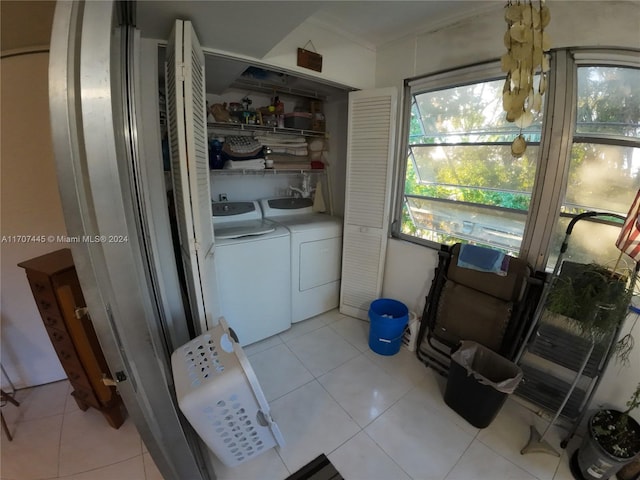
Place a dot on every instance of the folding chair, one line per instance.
(467, 304)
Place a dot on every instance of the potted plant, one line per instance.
(593, 302)
(612, 441)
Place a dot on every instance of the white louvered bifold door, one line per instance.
(370, 152)
(187, 120)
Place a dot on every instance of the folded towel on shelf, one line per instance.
(257, 164)
(285, 145)
(483, 259)
(292, 165)
(283, 158)
(297, 151)
(268, 140)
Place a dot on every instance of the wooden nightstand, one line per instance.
(59, 298)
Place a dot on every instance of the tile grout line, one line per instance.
(282, 460)
(102, 467)
(460, 457)
(512, 462)
(343, 337)
(64, 415)
(386, 453)
(361, 428)
(324, 373)
(144, 465)
(315, 378)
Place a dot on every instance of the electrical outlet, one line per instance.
(223, 197)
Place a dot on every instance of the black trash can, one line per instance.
(479, 383)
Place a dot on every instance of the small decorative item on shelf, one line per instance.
(268, 116)
(268, 162)
(236, 112)
(278, 106)
(317, 116)
(216, 161)
(220, 113)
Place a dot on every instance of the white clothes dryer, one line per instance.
(253, 268)
(316, 254)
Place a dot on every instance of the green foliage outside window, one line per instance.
(459, 152)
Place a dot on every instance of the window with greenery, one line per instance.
(604, 159)
(462, 184)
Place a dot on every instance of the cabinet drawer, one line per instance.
(85, 395)
(64, 348)
(53, 320)
(47, 303)
(77, 376)
(40, 283)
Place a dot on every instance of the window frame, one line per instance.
(557, 138)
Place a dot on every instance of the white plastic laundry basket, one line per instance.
(218, 392)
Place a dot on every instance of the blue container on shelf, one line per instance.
(388, 319)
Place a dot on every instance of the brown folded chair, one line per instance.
(466, 304)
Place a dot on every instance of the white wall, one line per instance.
(30, 206)
(255, 185)
(573, 23)
(479, 39)
(343, 60)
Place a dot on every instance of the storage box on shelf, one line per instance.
(298, 120)
(317, 116)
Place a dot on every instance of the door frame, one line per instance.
(99, 198)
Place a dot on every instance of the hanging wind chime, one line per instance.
(527, 54)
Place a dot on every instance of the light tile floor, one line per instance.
(375, 417)
(53, 438)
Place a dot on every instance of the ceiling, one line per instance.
(378, 22)
(253, 28)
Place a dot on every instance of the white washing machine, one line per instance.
(316, 254)
(253, 269)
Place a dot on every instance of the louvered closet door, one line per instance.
(186, 112)
(370, 151)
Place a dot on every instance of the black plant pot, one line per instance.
(592, 461)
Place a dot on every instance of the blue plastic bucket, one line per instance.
(388, 319)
